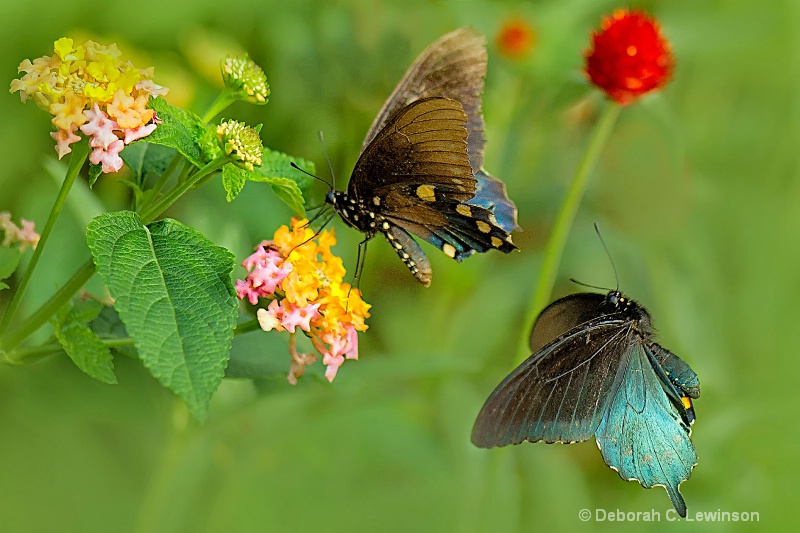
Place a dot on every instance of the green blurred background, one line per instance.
(697, 194)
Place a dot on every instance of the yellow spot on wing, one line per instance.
(425, 192)
(464, 210)
(497, 243)
(687, 402)
(449, 250)
(483, 226)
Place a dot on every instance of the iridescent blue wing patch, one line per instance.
(642, 435)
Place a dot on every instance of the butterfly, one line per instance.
(420, 168)
(595, 370)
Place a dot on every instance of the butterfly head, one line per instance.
(631, 309)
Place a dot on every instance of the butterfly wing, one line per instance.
(416, 175)
(561, 393)
(454, 67)
(642, 435)
(563, 315)
(421, 156)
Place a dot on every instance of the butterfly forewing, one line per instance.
(558, 394)
(421, 153)
(452, 67)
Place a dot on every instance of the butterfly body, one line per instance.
(420, 168)
(596, 371)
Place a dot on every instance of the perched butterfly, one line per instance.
(595, 370)
(420, 169)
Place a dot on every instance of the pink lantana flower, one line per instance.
(300, 316)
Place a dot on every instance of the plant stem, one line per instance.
(153, 193)
(563, 225)
(172, 196)
(49, 308)
(224, 99)
(79, 153)
(34, 353)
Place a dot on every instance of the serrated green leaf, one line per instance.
(87, 351)
(108, 325)
(94, 173)
(179, 130)
(9, 260)
(173, 291)
(84, 311)
(143, 158)
(288, 191)
(233, 180)
(276, 164)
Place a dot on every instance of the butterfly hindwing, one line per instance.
(563, 315)
(642, 435)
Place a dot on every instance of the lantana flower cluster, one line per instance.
(303, 281)
(14, 235)
(92, 88)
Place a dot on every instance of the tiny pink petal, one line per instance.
(300, 316)
(267, 319)
(63, 140)
(109, 158)
(243, 289)
(267, 278)
(138, 133)
(100, 128)
(332, 362)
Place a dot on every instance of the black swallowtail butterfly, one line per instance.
(595, 370)
(420, 169)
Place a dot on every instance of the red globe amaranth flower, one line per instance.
(629, 56)
(515, 39)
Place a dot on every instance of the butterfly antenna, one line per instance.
(307, 173)
(316, 233)
(327, 160)
(582, 284)
(611, 259)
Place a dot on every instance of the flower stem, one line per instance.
(224, 99)
(79, 153)
(172, 196)
(563, 225)
(50, 307)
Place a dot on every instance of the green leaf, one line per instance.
(278, 165)
(143, 158)
(173, 291)
(179, 130)
(94, 173)
(288, 191)
(87, 351)
(233, 179)
(9, 259)
(108, 325)
(276, 169)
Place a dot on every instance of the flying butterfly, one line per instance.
(420, 168)
(596, 370)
